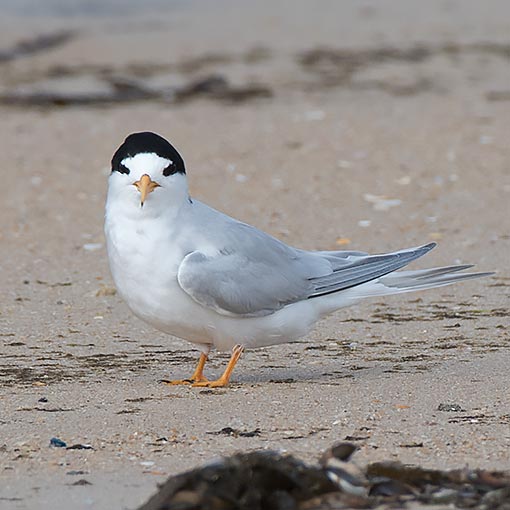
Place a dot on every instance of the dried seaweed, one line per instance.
(36, 44)
(263, 480)
(127, 90)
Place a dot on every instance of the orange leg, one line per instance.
(224, 379)
(198, 374)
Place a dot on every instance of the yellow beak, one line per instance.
(145, 185)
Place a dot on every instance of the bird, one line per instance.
(198, 274)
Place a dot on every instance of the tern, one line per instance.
(197, 274)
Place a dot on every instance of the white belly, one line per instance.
(147, 281)
(145, 268)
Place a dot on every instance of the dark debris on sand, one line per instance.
(128, 90)
(265, 480)
(37, 44)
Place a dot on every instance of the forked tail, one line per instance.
(427, 278)
(379, 275)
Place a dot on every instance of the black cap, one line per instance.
(147, 142)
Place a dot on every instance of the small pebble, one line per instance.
(314, 115)
(343, 163)
(450, 408)
(80, 446)
(92, 246)
(82, 481)
(57, 443)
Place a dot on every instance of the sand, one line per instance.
(380, 125)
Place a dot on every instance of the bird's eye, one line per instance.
(170, 169)
(123, 169)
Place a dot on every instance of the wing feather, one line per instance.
(254, 274)
(366, 269)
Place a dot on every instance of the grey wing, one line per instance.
(234, 285)
(253, 274)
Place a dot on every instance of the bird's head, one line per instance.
(148, 174)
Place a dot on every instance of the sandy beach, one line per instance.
(369, 126)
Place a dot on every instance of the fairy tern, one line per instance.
(200, 275)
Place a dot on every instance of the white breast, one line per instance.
(144, 258)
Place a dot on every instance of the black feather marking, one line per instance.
(170, 169)
(123, 169)
(147, 142)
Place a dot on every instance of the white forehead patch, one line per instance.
(146, 162)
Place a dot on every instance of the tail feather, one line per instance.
(386, 282)
(406, 281)
(405, 278)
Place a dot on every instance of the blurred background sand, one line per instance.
(365, 125)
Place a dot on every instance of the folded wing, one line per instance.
(256, 275)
